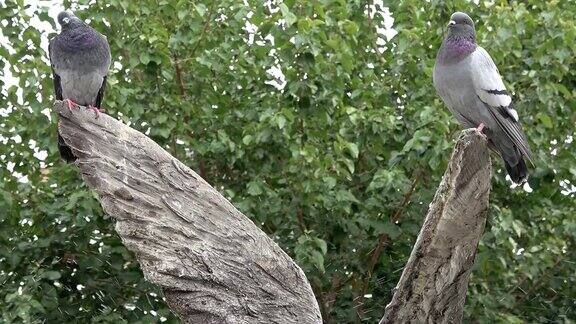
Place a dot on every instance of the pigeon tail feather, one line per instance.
(65, 151)
(519, 172)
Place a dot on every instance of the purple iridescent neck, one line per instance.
(455, 48)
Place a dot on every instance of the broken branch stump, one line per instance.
(213, 264)
(433, 285)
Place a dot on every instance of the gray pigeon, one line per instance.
(470, 85)
(80, 59)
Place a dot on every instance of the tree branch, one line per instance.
(432, 288)
(383, 238)
(212, 262)
(204, 29)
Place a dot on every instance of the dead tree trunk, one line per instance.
(213, 263)
(215, 266)
(432, 288)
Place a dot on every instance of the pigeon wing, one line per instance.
(100, 95)
(490, 89)
(55, 76)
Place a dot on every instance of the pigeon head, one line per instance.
(461, 26)
(68, 20)
(460, 40)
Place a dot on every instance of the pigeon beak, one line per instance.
(451, 23)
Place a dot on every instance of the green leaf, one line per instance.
(182, 14)
(254, 188)
(52, 275)
(318, 260)
(144, 58)
(280, 121)
(288, 16)
(304, 25)
(322, 244)
(330, 181)
(350, 27)
(349, 164)
(247, 139)
(545, 119)
(353, 149)
(344, 195)
(200, 9)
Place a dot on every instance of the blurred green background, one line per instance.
(318, 120)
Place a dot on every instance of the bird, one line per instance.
(80, 60)
(469, 83)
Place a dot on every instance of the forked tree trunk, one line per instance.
(215, 266)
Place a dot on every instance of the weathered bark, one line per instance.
(216, 266)
(213, 263)
(432, 288)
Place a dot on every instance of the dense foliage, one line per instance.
(336, 159)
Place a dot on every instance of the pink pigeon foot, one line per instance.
(70, 104)
(96, 110)
(480, 127)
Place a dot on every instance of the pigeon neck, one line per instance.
(73, 24)
(456, 47)
(78, 39)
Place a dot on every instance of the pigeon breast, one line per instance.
(81, 58)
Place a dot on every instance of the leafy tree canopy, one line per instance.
(336, 157)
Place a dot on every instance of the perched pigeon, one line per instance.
(470, 85)
(80, 59)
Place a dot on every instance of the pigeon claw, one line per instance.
(71, 104)
(480, 128)
(96, 110)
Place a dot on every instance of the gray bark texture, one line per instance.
(213, 264)
(432, 288)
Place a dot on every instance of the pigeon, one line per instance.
(470, 85)
(80, 60)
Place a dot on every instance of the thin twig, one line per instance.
(178, 72)
(538, 283)
(383, 238)
(374, 45)
(300, 219)
(206, 25)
